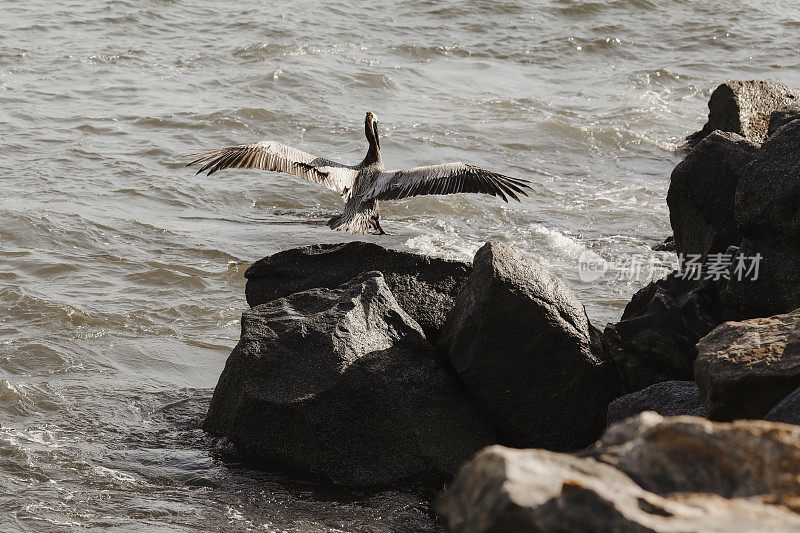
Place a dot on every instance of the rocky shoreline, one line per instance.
(370, 367)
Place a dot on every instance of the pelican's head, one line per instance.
(371, 129)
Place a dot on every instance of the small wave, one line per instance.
(428, 52)
(557, 241)
(123, 478)
(24, 399)
(129, 55)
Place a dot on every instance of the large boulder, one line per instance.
(744, 107)
(342, 384)
(425, 287)
(523, 346)
(668, 398)
(787, 410)
(702, 194)
(743, 459)
(744, 368)
(655, 338)
(646, 474)
(768, 218)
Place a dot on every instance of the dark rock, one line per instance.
(702, 194)
(424, 287)
(522, 344)
(782, 117)
(655, 338)
(769, 188)
(744, 107)
(777, 286)
(744, 368)
(668, 398)
(646, 474)
(768, 217)
(667, 246)
(787, 410)
(341, 384)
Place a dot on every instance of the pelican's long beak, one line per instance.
(375, 131)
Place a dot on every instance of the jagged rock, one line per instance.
(341, 384)
(782, 117)
(523, 346)
(702, 194)
(787, 410)
(668, 398)
(744, 107)
(646, 474)
(655, 338)
(744, 368)
(768, 217)
(423, 286)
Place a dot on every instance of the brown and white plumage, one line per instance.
(269, 155)
(446, 178)
(363, 185)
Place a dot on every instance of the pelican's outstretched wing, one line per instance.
(447, 178)
(269, 155)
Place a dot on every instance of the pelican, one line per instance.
(363, 185)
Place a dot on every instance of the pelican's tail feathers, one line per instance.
(363, 219)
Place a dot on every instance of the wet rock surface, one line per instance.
(423, 286)
(744, 369)
(522, 345)
(741, 477)
(341, 384)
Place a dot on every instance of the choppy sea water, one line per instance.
(121, 280)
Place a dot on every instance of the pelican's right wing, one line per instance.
(447, 178)
(269, 155)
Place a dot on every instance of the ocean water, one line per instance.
(121, 272)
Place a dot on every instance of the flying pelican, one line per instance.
(363, 185)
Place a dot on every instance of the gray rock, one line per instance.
(341, 384)
(523, 346)
(655, 339)
(768, 218)
(425, 287)
(787, 410)
(744, 368)
(744, 107)
(702, 194)
(646, 474)
(668, 398)
(782, 117)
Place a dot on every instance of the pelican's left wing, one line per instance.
(447, 178)
(270, 155)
